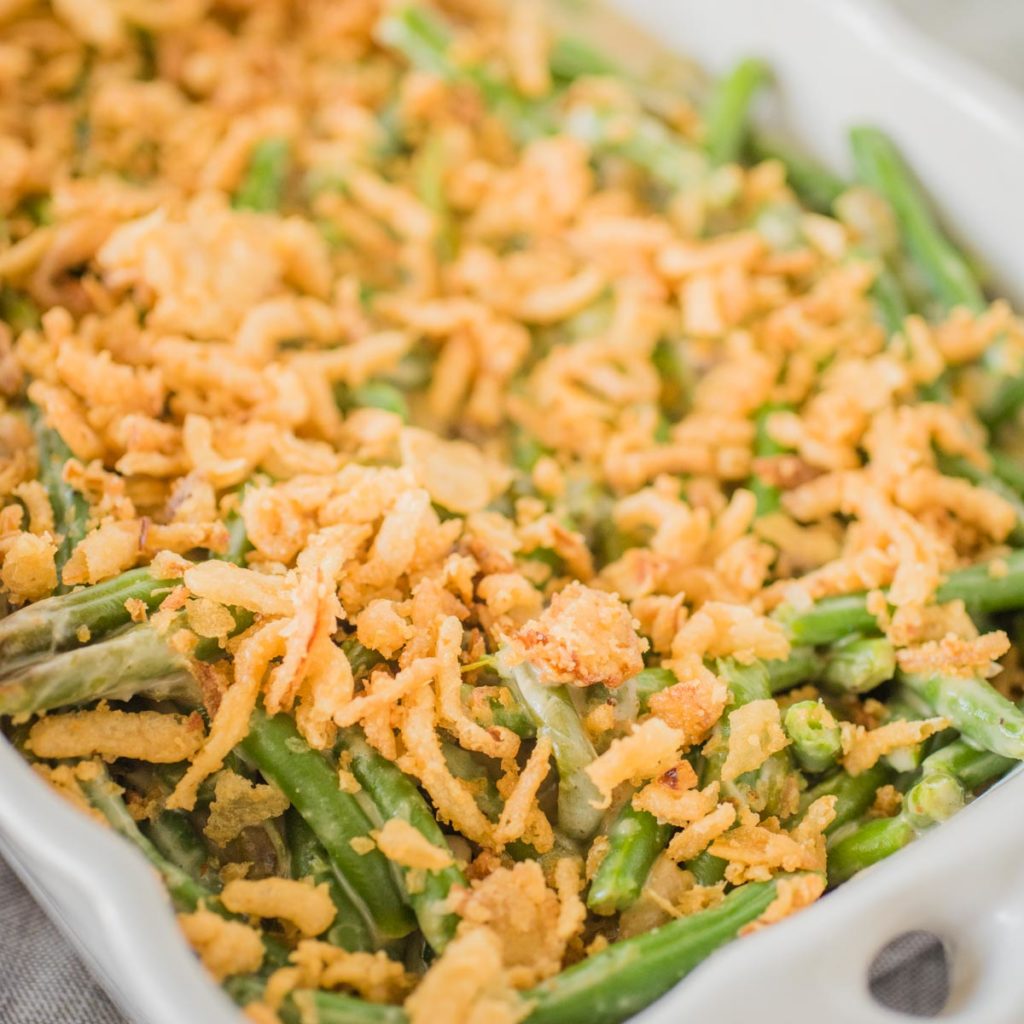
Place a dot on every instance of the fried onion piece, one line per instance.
(307, 906)
(468, 983)
(154, 736)
(225, 947)
(584, 637)
(231, 723)
(239, 803)
(650, 749)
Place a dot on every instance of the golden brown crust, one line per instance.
(584, 637)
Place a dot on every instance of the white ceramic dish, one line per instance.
(838, 62)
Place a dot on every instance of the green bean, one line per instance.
(707, 869)
(872, 842)
(768, 495)
(620, 981)
(819, 189)
(373, 394)
(606, 988)
(572, 58)
(775, 783)
(880, 166)
(396, 797)
(890, 300)
(634, 841)
(648, 144)
(421, 37)
(858, 664)
(854, 794)
(982, 589)
(175, 836)
(244, 989)
(815, 185)
(777, 675)
(948, 273)
(311, 785)
(935, 798)
(1006, 402)
(803, 664)
(238, 540)
(310, 860)
(726, 121)
(425, 40)
(525, 450)
(262, 188)
(779, 223)
(904, 706)
(509, 715)
(186, 892)
(677, 378)
(135, 662)
(957, 465)
(986, 588)
(975, 709)
(210, 648)
(429, 181)
(828, 620)
(1010, 470)
(965, 762)
(938, 794)
(650, 681)
(814, 735)
(554, 715)
(312, 1007)
(589, 507)
(471, 768)
(362, 660)
(17, 309)
(71, 511)
(747, 683)
(476, 770)
(309, 782)
(68, 621)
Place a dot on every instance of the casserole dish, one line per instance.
(68, 862)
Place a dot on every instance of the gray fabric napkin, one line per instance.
(42, 981)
